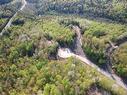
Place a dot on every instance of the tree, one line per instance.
(51, 89)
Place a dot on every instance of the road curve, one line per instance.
(66, 52)
(12, 18)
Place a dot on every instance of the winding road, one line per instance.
(66, 52)
(12, 18)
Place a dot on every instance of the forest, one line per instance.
(112, 9)
(35, 34)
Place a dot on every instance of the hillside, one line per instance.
(63, 47)
(112, 9)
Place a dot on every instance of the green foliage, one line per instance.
(114, 9)
(51, 89)
(26, 48)
(119, 58)
(96, 37)
(39, 65)
(55, 78)
(52, 49)
(24, 71)
(14, 55)
(68, 22)
(48, 36)
(61, 34)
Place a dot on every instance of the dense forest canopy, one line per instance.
(113, 9)
(63, 47)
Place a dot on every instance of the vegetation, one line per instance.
(29, 63)
(112, 9)
(37, 37)
(97, 36)
(63, 35)
(119, 58)
(7, 10)
(55, 77)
